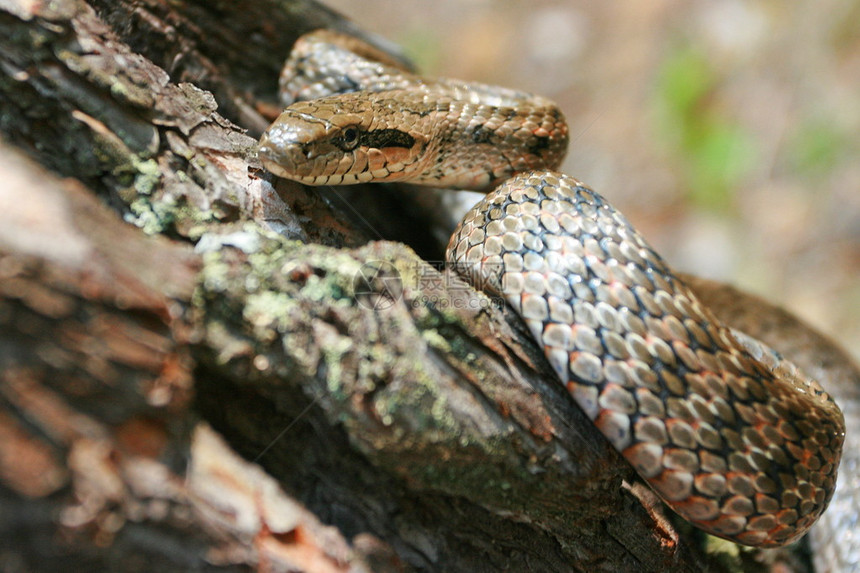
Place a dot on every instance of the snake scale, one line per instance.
(730, 435)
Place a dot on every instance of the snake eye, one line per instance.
(349, 138)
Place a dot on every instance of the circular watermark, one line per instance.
(377, 285)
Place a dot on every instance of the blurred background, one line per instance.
(728, 133)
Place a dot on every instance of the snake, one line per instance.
(732, 436)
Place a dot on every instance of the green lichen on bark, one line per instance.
(403, 382)
(89, 107)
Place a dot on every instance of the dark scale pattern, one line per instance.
(734, 438)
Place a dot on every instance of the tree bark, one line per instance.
(386, 417)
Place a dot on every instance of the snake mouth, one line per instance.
(281, 154)
(279, 159)
(282, 147)
(286, 163)
(276, 168)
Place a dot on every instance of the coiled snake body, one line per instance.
(731, 436)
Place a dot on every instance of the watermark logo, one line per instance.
(377, 285)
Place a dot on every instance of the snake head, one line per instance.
(338, 140)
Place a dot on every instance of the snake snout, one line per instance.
(287, 148)
(278, 159)
(282, 150)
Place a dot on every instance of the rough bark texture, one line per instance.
(388, 417)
